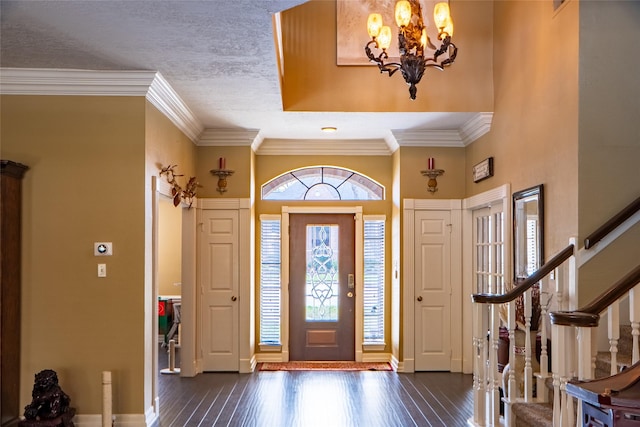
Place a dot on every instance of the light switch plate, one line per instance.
(103, 248)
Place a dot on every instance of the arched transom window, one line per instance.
(322, 183)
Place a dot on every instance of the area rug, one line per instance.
(325, 366)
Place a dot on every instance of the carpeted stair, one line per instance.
(541, 414)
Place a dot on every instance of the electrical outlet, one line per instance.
(102, 270)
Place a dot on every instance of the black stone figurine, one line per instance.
(50, 405)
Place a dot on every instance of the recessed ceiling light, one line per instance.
(329, 129)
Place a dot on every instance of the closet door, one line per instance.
(10, 246)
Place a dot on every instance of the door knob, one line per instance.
(419, 298)
(350, 294)
(233, 298)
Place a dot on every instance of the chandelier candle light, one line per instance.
(413, 42)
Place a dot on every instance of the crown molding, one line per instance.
(167, 100)
(357, 147)
(428, 138)
(150, 84)
(476, 127)
(470, 131)
(217, 137)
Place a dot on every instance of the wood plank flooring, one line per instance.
(318, 398)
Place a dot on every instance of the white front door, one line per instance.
(218, 252)
(432, 290)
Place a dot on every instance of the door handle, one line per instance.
(233, 298)
(349, 294)
(419, 298)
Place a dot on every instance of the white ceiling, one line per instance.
(217, 55)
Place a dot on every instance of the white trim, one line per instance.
(32, 81)
(428, 138)
(124, 420)
(169, 103)
(359, 273)
(476, 127)
(219, 137)
(469, 132)
(377, 357)
(309, 147)
(150, 84)
(408, 268)
(501, 195)
(372, 347)
(219, 203)
(246, 288)
(585, 255)
(454, 206)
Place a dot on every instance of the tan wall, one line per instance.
(609, 129)
(169, 248)
(534, 136)
(165, 145)
(85, 184)
(313, 82)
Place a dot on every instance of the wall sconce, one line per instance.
(432, 173)
(222, 173)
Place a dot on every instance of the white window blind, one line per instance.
(270, 262)
(374, 280)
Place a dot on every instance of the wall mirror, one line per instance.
(528, 232)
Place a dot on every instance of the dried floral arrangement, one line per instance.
(179, 194)
(536, 309)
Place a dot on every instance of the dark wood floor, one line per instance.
(328, 398)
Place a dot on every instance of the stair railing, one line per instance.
(570, 342)
(486, 318)
(582, 323)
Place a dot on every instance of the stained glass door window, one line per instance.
(322, 275)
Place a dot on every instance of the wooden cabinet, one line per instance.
(10, 266)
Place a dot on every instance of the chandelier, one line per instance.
(413, 42)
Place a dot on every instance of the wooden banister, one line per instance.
(527, 283)
(610, 225)
(589, 315)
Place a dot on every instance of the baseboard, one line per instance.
(269, 357)
(407, 366)
(395, 363)
(248, 365)
(376, 357)
(120, 420)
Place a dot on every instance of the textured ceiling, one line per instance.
(218, 56)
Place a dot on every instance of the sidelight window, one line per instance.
(270, 278)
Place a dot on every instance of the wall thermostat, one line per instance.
(102, 248)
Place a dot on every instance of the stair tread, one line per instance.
(533, 414)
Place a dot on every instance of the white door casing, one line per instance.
(413, 208)
(219, 282)
(433, 290)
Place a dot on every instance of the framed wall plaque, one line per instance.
(483, 170)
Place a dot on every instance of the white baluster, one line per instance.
(541, 387)
(613, 333)
(494, 382)
(528, 371)
(584, 354)
(557, 366)
(513, 390)
(634, 317)
(479, 340)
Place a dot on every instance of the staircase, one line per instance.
(573, 334)
(541, 414)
